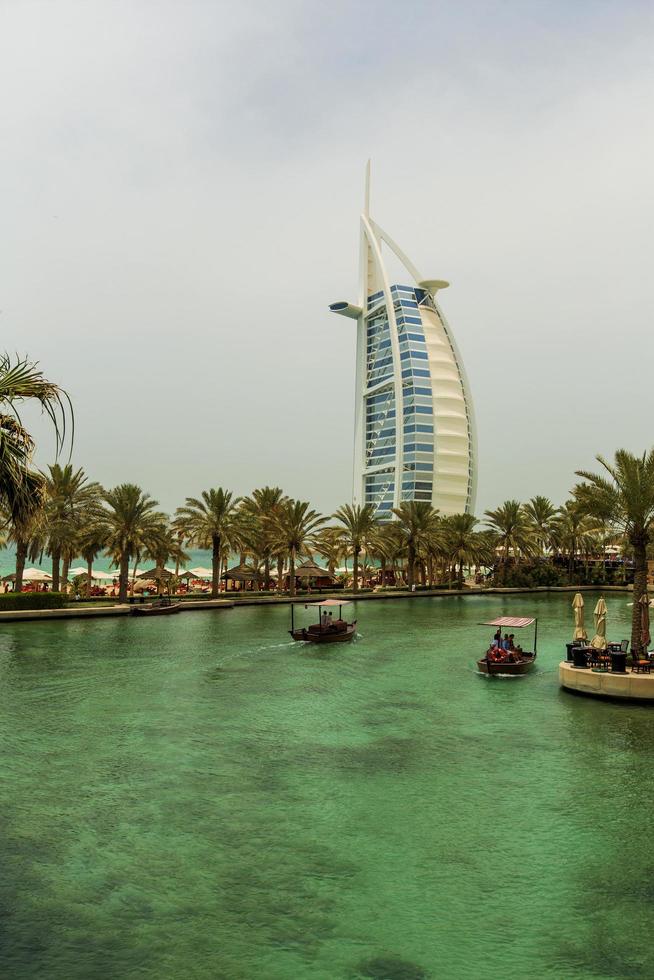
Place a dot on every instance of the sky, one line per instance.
(180, 186)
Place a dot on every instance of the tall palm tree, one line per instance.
(295, 523)
(133, 523)
(69, 495)
(417, 520)
(209, 520)
(260, 509)
(387, 544)
(21, 487)
(93, 538)
(574, 532)
(358, 522)
(465, 545)
(513, 531)
(541, 514)
(624, 495)
(330, 543)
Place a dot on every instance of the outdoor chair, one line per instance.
(639, 666)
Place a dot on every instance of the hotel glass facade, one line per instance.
(414, 426)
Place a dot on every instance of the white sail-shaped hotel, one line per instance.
(414, 425)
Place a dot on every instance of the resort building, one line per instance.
(414, 433)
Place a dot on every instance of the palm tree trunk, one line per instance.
(640, 589)
(55, 569)
(65, 565)
(89, 573)
(411, 559)
(123, 576)
(382, 570)
(291, 572)
(266, 573)
(280, 573)
(355, 570)
(21, 558)
(215, 566)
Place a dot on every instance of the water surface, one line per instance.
(200, 797)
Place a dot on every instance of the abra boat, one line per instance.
(325, 630)
(509, 662)
(162, 607)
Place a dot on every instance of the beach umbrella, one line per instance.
(578, 607)
(36, 575)
(599, 614)
(645, 636)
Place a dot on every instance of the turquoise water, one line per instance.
(197, 797)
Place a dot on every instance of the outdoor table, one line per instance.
(579, 657)
(618, 662)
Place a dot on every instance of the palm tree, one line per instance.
(260, 509)
(162, 547)
(133, 524)
(209, 520)
(69, 495)
(21, 487)
(92, 539)
(541, 514)
(330, 543)
(625, 498)
(513, 531)
(417, 520)
(294, 525)
(464, 545)
(387, 544)
(574, 532)
(359, 523)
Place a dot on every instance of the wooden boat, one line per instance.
(161, 607)
(509, 663)
(337, 631)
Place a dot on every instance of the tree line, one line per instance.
(62, 513)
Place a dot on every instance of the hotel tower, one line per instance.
(414, 432)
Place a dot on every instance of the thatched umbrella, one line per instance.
(578, 607)
(241, 573)
(309, 569)
(157, 575)
(599, 640)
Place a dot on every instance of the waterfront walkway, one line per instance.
(84, 611)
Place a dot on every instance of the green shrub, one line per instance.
(532, 575)
(31, 600)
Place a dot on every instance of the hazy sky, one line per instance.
(180, 187)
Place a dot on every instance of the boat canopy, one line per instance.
(329, 602)
(513, 622)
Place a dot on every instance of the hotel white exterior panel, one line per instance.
(414, 424)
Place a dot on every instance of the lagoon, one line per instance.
(200, 797)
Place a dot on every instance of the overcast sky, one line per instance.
(180, 188)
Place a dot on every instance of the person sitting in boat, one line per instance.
(505, 642)
(497, 639)
(511, 645)
(324, 619)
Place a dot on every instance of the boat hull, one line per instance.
(311, 635)
(156, 610)
(494, 667)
